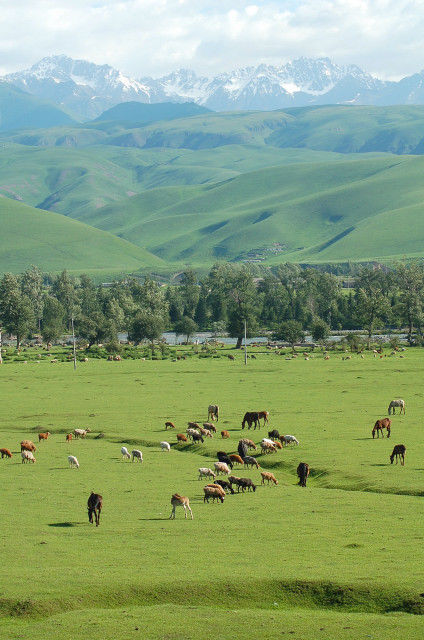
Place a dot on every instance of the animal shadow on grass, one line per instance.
(378, 464)
(64, 524)
(147, 519)
(369, 438)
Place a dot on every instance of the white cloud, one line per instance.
(151, 37)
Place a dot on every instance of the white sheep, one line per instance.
(190, 432)
(125, 453)
(221, 467)
(27, 456)
(165, 446)
(136, 454)
(73, 462)
(268, 441)
(290, 439)
(81, 433)
(205, 472)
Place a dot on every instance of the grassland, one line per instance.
(339, 559)
(30, 236)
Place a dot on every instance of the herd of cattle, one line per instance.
(218, 488)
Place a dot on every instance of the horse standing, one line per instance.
(213, 412)
(303, 473)
(385, 423)
(396, 403)
(251, 417)
(399, 451)
(94, 505)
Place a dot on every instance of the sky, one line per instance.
(154, 37)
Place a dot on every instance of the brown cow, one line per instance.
(225, 434)
(236, 458)
(5, 453)
(43, 436)
(181, 437)
(171, 425)
(27, 445)
(68, 437)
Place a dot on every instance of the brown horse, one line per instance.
(384, 423)
(94, 505)
(303, 473)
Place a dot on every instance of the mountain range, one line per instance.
(85, 89)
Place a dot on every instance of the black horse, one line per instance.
(303, 473)
(94, 505)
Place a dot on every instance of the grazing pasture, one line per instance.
(345, 553)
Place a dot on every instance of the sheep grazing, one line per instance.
(209, 426)
(5, 453)
(181, 437)
(165, 446)
(225, 434)
(250, 444)
(268, 447)
(81, 433)
(204, 472)
(221, 467)
(125, 453)
(225, 485)
(169, 425)
(267, 475)
(205, 432)
(250, 461)
(43, 436)
(27, 445)
(137, 455)
(246, 483)
(193, 425)
(27, 456)
(73, 462)
(180, 501)
(197, 437)
(235, 458)
(192, 432)
(213, 491)
(399, 451)
(233, 480)
(286, 440)
(69, 437)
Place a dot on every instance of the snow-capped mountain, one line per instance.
(84, 88)
(87, 89)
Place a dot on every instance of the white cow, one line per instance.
(73, 462)
(165, 446)
(137, 455)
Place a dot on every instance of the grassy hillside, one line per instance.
(311, 184)
(53, 242)
(137, 112)
(345, 553)
(21, 110)
(313, 212)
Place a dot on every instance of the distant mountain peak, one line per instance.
(87, 89)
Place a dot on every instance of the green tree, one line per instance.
(186, 327)
(410, 280)
(64, 289)
(371, 302)
(290, 331)
(190, 292)
(320, 331)
(95, 328)
(32, 286)
(53, 322)
(146, 325)
(243, 306)
(16, 310)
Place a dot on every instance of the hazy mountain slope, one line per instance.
(20, 110)
(143, 113)
(297, 207)
(53, 242)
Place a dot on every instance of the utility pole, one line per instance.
(73, 340)
(245, 344)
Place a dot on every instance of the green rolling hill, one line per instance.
(53, 242)
(302, 212)
(311, 185)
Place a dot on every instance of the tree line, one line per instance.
(287, 301)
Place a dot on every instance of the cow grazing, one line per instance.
(43, 436)
(94, 506)
(181, 437)
(398, 452)
(267, 475)
(5, 453)
(249, 418)
(69, 437)
(236, 458)
(250, 461)
(169, 425)
(225, 434)
(27, 445)
(165, 446)
(73, 462)
(303, 473)
(27, 456)
(274, 434)
(125, 453)
(209, 426)
(180, 501)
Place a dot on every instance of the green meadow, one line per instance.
(341, 558)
